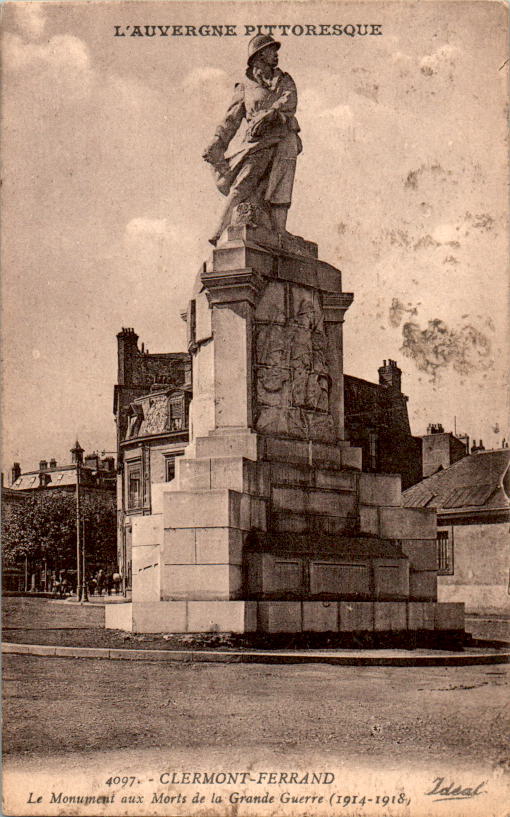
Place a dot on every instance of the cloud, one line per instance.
(370, 91)
(444, 233)
(30, 19)
(426, 242)
(397, 311)
(481, 221)
(205, 75)
(206, 92)
(146, 227)
(439, 347)
(403, 59)
(155, 240)
(341, 116)
(152, 237)
(60, 65)
(443, 57)
(432, 171)
(61, 52)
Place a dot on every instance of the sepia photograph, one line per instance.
(255, 504)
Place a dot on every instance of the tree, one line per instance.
(43, 527)
(99, 513)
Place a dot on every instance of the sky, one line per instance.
(107, 204)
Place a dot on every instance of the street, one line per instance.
(76, 722)
(54, 706)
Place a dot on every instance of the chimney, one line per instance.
(53, 463)
(43, 465)
(108, 464)
(15, 472)
(92, 461)
(77, 453)
(390, 375)
(464, 439)
(127, 350)
(435, 428)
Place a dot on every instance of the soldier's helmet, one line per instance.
(258, 43)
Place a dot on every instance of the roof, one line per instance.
(56, 479)
(64, 475)
(478, 482)
(10, 494)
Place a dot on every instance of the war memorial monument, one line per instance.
(269, 525)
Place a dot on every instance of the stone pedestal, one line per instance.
(269, 524)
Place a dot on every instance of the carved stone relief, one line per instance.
(156, 414)
(292, 377)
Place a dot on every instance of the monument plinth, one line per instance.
(269, 524)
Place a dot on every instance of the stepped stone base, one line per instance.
(284, 617)
(269, 525)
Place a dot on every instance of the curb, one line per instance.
(352, 659)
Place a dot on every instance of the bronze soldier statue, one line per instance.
(262, 172)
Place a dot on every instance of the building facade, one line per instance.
(441, 448)
(14, 577)
(377, 421)
(472, 498)
(96, 474)
(151, 409)
(97, 477)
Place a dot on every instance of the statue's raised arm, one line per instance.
(261, 173)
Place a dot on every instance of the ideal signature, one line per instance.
(454, 791)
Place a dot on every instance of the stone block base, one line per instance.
(285, 617)
(183, 617)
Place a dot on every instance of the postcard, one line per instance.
(274, 580)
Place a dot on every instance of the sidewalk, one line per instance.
(113, 599)
(362, 658)
(76, 629)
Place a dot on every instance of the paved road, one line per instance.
(71, 723)
(55, 706)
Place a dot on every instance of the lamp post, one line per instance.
(81, 584)
(121, 563)
(78, 533)
(84, 588)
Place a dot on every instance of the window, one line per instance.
(170, 465)
(445, 553)
(372, 450)
(169, 468)
(134, 486)
(176, 413)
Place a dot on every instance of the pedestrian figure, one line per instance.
(109, 583)
(100, 582)
(116, 582)
(92, 585)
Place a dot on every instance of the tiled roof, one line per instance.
(56, 479)
(480, 481)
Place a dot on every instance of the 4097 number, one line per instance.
(124, 782)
